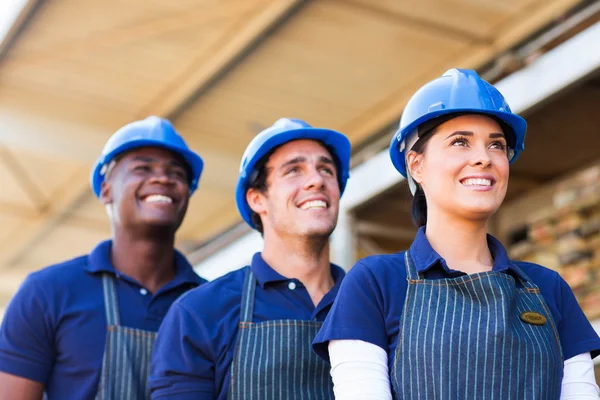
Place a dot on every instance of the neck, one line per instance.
(304, 259)
(148, 260)
(462, 243)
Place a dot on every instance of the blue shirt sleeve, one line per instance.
(577, 335)
(357, 313)
(182, 365)
(27, 333)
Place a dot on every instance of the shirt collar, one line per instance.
(99, 261)
(264, 273)
(425, 257)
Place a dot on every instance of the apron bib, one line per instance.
(476, 337)
(274, 359)
(126, 360)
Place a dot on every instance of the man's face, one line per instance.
(302, 195)
(148, 187)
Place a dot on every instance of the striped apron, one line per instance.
(467, 338)
(274, 359)
(127, 354)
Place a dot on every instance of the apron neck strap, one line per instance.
(523, 277)
(411, 270)
(111, 306)
(412, 274)
(247, 309)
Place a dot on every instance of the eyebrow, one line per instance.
(149, 159)
(301, 159)
(493, 135)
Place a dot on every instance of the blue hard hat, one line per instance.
(150, 132)
(283, 131)
(457, 91)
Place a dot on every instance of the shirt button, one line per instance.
(143, 292)
(292, 285)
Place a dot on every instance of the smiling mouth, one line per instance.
(477, 182)
(158, 198)
(313, 204)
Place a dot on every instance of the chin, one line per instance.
(479, 212)
(318, 230)
(161, 223)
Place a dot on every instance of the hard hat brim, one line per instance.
(514, 121)
(191, 158)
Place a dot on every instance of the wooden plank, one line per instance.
(18, 25)
(145, 30)
(235, 41)
(387, 112)
(535, 17)
(66, 241)
(33, 230)
(310, 69)
(433, 18)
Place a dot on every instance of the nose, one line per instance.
(481, 157)
(161, 175)
(315, 180)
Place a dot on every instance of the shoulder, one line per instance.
(381, 266)
(545, 278)
(214, 296)
(381, 275)
(58, 275)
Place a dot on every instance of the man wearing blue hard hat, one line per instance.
(254, 341)
(85, 328)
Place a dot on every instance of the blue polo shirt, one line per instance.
(54, 328)
(196, 342)
(371, 299)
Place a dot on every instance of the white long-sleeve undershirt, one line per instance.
(360, 371)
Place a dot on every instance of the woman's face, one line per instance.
(463, 169)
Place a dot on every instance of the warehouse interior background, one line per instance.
(73, 72)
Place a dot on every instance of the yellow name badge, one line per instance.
(533, 318)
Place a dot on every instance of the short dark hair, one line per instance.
(260, 183)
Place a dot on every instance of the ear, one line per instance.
(106, 193)
(414, 164)
(256, 200)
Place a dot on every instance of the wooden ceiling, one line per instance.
(221, 70)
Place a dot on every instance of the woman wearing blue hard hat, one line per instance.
(453, 317)
(84, 329)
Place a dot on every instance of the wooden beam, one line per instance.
(49, 123)
(387, 112)
(31, 189)
(419, 24)
(19, 24)
(27, 213)
(143, 30)
(235, 43)
(65, 201)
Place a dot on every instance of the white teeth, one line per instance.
(313, 204)
(477, 182)
(158, 198)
